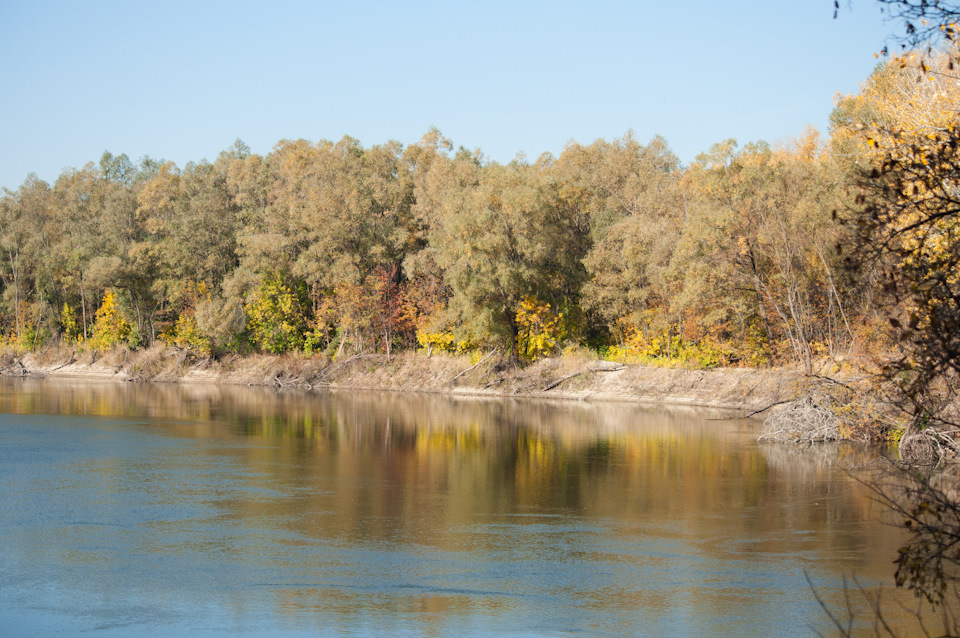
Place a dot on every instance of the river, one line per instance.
(141, 509)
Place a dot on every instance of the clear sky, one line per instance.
(182, 80)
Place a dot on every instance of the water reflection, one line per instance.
(371, 514)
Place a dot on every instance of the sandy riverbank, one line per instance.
(572, 377)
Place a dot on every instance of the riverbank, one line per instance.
(572, 377)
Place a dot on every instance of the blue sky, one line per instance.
(183, 80)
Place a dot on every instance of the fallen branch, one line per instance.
(754, 413)
(62, 365)
(928, 447)
(334, 366)
(832, 381)
(18, 368)
(551, 386)
(489, 354)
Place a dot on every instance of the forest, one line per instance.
(836, 256)
(330, 248)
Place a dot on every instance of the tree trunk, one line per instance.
(83, 308)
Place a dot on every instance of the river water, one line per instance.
(132, 510)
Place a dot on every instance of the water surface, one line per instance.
(134, 510)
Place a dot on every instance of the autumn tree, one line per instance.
(391, 313)
(110, 326)
(190, 226)
(626, 207)
(757, 250)
(22, 216)
(496, 236)
(428, 290)
(890, 100)
(111, 249)
(329, 214)
(909, 223)
(334, 212)
(900, 136)
(906, 215)
(275, 314)
(91, 220)
(80, 196)
(189, 218)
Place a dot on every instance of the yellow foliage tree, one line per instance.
(900, 97)
(539, 329)
(275, 316)
(442, 341)
(110, 327)
(68, 323)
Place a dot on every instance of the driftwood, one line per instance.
(806, 420)
(63, 365)
(754, 413)
(488, 355)
(586, 369)
(16, 368)
(296, 382)
(553, 384)
(334, 366)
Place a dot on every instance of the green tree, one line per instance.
(191, 226)
(494, 233)
(624, 200)
(22, 215)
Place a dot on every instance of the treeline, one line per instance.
(337, 248)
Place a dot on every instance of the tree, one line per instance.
(22, 215)
(110, 326)
(77, 232)
(908, 224)
(900, 135)
(192, 225)
(334, 212)
(275, 315)
(112, 249)
(624, 202)
(923, 21)
(390, 310)
(906, 214)
(494, 233)
(540, 329)
(892, 99)
(757, 250)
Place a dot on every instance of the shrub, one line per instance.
(110, 327)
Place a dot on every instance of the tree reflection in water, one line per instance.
(433, 514)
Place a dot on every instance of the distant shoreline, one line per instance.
(576, 378)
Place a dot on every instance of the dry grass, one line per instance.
(157, 363)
